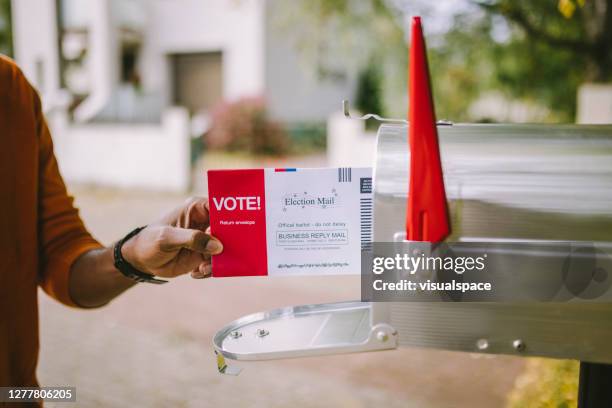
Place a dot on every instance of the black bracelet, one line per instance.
(126, 268)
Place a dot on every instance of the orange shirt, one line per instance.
(41, 234)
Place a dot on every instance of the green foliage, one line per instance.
(369, 97)
(543, 60)
(469, 61)
(546, 383)
(541, 57)
(547, 55)
(459, 67)
(307, 137)
(6, 28)
(536, 71)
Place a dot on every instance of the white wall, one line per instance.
(348, 143)
(102, 60)
(189, 26)
(293, 90)
(155, 157)
(258, 59)
(594, 104)
(36, 48)
(37, 51)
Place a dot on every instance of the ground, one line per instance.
(152, 346)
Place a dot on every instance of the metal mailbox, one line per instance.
(517, 183)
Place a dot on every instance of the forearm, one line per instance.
(94, 280)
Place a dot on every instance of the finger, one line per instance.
(177, 216)
(204, 270)
(187, 261)
(172, 239)
(197, 214)
(193, 213)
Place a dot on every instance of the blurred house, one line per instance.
(112, 71)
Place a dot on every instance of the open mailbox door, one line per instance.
(504, 183)
(302, 331)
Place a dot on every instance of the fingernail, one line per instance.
(207, 270)
(213, 246)
(197, 275)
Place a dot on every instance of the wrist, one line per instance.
(125, 265)
(128, 252)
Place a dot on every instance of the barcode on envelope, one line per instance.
(365, 208)
(344, 174)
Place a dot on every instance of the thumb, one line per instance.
(192, 239)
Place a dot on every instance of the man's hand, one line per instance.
(176, 244)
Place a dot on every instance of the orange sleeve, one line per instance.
(62, 235)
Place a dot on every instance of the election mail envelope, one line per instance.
(290, 221)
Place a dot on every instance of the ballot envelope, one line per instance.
(290, 221)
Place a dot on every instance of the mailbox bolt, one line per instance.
(262, 332)
(235, 334)
(519, 345)
(382, 336)
(482, 344)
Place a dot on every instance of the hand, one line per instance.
(178, 243)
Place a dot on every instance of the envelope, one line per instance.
(290, 221)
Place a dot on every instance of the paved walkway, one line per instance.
(152, 346)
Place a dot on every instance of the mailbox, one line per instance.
(532, 184)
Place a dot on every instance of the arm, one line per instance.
(174, 245)
(94, 281)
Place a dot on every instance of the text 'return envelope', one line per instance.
(290, 221)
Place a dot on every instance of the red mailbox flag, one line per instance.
(427, 213)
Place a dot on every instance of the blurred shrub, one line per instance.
(369, 93)
(546, 383)
(307, 137)
(245, 126)
(6, 30)
(197, 147)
